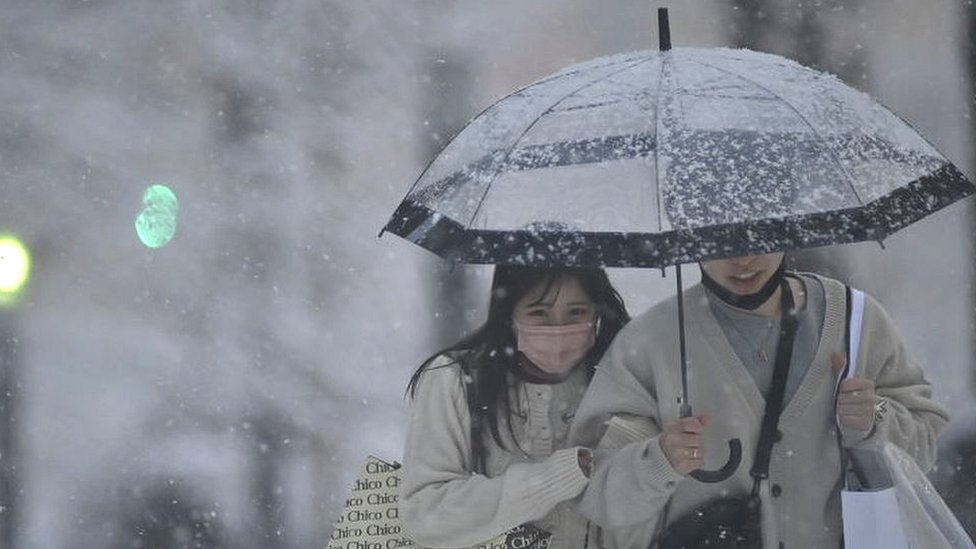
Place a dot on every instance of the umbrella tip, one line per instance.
(663, 29)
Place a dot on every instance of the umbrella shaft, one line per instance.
(685, 407)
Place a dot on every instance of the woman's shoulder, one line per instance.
(662, 314)
(447, 359)
(837, 289)
(649, 328)
(829, 284)
(446, 371)
(439, 395)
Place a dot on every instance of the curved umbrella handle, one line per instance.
(718, 475)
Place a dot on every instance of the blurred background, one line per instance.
(223, 389)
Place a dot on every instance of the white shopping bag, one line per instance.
(908, 513)
(872, 520)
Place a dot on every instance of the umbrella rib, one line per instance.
(805, 120)
(482, 112)
(659, 126)
(532, 124)
(561, 75)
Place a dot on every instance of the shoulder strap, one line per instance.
(774, 401)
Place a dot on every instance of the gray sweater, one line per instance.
(634, 393)
(444, 504)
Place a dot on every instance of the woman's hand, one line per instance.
(855, 399)
(683, 444)
(584, 457)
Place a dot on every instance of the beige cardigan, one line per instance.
(443, 504)
(637, 385)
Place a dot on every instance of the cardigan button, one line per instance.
(777, 490)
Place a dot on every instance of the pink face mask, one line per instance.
(556, 349)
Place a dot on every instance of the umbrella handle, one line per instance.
(724, 472)
(718, 475)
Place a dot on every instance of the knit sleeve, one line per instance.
(632, 480)
(913, 419)
(442, 503)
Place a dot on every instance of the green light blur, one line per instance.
(156, 223)
(15, 264)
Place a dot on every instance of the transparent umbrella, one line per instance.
(657, 158)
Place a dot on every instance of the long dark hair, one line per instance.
(489, 353)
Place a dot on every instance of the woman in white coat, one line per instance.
(734, 320)
(487, 445)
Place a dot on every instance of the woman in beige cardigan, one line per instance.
(640, 481)
(486, 445)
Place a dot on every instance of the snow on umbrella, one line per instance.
(659, 158)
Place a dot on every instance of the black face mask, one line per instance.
(749, 302)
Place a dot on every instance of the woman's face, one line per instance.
(743, 275)
(565, 303)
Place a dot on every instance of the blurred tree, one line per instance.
(253, 264)
(447, 107)
(268, 481)
(11, 464)
(15, 268)
(167, 514)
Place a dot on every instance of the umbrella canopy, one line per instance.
(658, 158)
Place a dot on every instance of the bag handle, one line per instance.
(852, 338)
(852, 342)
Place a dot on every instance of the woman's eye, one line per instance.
(537, 312)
